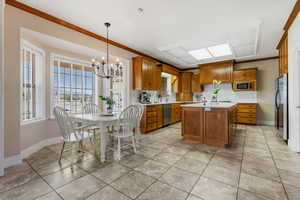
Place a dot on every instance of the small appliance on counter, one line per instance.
(145, 98)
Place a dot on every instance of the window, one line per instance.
(32, 83)
(119, 89)
(73, 84)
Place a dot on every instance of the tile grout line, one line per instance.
(190, 193)
(45, 182)
(238, 186)
(277, 169)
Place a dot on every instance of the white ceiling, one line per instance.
(56, 43)
(168, 29)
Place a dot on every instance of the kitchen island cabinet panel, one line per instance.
(192, 124)
(208, 125)
(216, 123)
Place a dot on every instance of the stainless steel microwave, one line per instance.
(244, 85)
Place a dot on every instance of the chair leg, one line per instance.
(62, 151)
(133, 144)
(119, 148)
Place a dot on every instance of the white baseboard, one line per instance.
(14, 160)
(267, 123)
(38, 146)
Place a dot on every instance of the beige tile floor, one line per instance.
(257, 166)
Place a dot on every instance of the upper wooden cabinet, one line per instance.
(283, 56)
(185, 87)
(186, 82)
(170, 70)
(196, 87)
(146, 74)
(221, 71)
(245, 75)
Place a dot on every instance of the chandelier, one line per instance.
(105, 69)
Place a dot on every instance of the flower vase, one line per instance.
(214, 98)
(109, 109)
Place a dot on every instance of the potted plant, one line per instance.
(216, 90)
(109, 102)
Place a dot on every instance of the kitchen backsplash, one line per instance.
(154, 98)
(227, 94)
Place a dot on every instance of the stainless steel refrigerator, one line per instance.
(281, 104)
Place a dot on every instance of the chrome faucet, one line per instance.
(204, 100)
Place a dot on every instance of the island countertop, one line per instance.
(210, 105)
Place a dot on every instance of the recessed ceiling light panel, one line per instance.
(200, 54)
(220, 50)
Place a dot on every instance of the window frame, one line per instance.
(40, 83)
(126, 77)
(53, 57)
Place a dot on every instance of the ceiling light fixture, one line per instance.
(220, 50)
(105, 69)
(200, 54)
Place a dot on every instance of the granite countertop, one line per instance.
(170, 102)
(210, 105)
(174, 102)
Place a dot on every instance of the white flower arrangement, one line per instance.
(216, 87)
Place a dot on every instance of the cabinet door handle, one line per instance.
(298, 107)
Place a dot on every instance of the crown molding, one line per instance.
(74, 27)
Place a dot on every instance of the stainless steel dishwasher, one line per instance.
(167, 112)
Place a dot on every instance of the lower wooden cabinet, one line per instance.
(176, 113)
(246, 113)
(216, 127)
(213, 127)
(152, 118)
(193, 124)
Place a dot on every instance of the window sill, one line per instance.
(32, 121)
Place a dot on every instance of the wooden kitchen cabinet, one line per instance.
(176, 113)
(186, 82)
(185, 87)
(245, 75)
(152, 118)
(216, 124)
(221, 71)
(146, 74)
(246, 113)
(170, 70)
(196, 87)
(193, 124)
(211, 126)
(283, 55)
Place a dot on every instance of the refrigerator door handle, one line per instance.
(276, 98)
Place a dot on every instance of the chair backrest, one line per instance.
(90, 108)
(141, 109)
(64, 122)
(129, 118)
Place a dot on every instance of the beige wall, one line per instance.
(17, 138)
(267, 73)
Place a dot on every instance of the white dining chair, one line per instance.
(137, 130)
(91, 108)
(126, 124)
(70, 131)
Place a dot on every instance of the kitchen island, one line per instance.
(210, 123)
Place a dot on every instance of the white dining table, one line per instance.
(100, 120)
